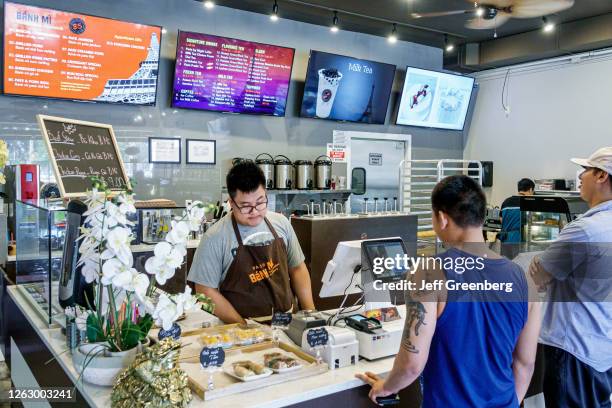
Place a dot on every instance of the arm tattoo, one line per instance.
(415, 314)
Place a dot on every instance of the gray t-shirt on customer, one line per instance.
(218, 247)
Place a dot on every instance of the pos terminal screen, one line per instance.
(388, 248)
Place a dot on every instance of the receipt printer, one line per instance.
(376, 340)
(302, 321)
(342, 349)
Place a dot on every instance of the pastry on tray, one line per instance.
(248, 368)
(279, 361)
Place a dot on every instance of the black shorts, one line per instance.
(570, 383)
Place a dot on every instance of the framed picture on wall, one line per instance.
(201, 151)
(164, 150)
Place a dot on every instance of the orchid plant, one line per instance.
(3, 159)
(126, 301)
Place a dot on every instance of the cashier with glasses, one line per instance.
(250, 262)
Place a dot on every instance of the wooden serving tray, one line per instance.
(226, 385)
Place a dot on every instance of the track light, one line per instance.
(547, 26)
(448, 46)
(209, 4)
(334, 27)
(393, 36)
(274, 15)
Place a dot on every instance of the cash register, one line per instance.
(350, 271)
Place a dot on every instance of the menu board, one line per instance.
(229, 75)
(58, 54)
(434, 99)
(81, 150)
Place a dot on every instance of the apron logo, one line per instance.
(263, 271)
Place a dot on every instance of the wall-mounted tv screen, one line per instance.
(434, 99)
(59, 54)
(346, 88)
(229, 75)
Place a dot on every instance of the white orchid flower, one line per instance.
(118, 240)
(179, 233)
(114, 272)
(132, 281)
(186, 300)
(91, 268)
(196, 214)
(166, 312)
(126, 203)
(164, 262)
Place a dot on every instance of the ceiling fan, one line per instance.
(493, 13)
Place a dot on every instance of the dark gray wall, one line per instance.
(236, 135)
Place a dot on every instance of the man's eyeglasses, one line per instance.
(247, 209)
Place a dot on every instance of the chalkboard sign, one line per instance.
(81, 150)
(317, 337)
(174, 332)
(212, 357)
(281, 319)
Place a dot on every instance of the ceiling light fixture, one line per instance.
(547, 26)
(334, 27)
(274, 15)
(209, 4)
(448, 46)
(479, 12)
(393, 36)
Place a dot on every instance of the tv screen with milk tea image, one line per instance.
(346, 89)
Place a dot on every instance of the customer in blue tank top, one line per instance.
(469, 329)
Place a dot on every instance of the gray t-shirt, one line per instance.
(219, 244)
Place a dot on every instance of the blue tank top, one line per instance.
(470, 359)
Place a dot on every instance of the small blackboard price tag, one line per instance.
(281, 319)
(212, 357)
(174, 332)
(317, 337)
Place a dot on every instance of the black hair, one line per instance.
(462, 199)
(244, 176)
(525, 184)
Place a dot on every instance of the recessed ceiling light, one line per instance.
(209, 4)
(547, 26)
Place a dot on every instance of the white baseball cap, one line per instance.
(601, 159)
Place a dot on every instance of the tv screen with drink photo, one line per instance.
(346, 89)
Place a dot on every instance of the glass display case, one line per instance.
(152, 224)
(39, 236)
(543, 218)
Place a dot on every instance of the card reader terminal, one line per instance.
(364, 324)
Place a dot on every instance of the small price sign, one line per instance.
(317, 337)
(281, 319)
(212, 357)
(174, 332)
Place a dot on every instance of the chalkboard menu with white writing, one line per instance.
(81, 150)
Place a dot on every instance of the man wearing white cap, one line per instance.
(576, 272)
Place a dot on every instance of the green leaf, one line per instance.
(94, 329)
(131, 335)
(145, 323)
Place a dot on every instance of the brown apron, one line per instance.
(257, 281)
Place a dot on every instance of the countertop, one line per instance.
(288, 393)
(192, 243)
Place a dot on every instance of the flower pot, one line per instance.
(98, 366)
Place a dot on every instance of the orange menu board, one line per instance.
(59, 54)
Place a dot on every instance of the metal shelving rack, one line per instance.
(418, 178)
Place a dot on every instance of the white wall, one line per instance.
(557, 110)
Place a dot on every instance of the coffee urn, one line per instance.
(303, 175)
(323, 170)
(266, 164)
(282, 172)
